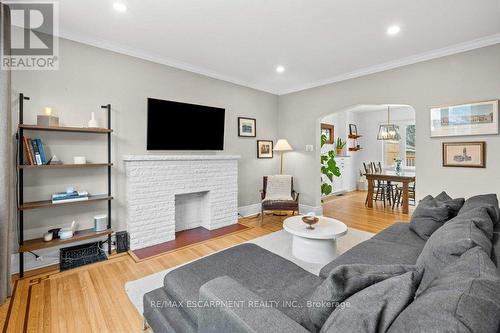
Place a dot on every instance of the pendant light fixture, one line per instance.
(388, 132)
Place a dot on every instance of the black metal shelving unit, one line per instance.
(38, 243)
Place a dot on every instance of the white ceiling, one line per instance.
(318, 41)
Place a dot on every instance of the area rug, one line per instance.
(279, 242)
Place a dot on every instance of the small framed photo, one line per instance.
(328, 131)
(464, 154)
(353, 129)
(247, 127)
(264, 149)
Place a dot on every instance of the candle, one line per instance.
(47, 111)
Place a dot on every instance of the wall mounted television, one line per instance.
(182, 126)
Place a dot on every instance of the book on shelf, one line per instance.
(35, 153)
(27, 150)
(69, 200)
(39, 144)
(62, 197)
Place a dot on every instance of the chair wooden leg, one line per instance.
(261, 217)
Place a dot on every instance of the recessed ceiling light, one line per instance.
(393, 30)
(280, 69)
(120, 7)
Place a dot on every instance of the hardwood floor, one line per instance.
(350, 208)
(93, 299)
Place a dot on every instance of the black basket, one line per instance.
(80, 255)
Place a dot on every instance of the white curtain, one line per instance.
(6, 199)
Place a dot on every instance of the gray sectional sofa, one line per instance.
(249, 289)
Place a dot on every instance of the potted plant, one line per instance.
(329, 169)
(339, 146)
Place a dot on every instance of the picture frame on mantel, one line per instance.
(478, 118)
(264, 149)
(247, 127)
(464, 154)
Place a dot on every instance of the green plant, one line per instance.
(329, 168)
(340, 144)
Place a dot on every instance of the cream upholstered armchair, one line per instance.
(277, 194)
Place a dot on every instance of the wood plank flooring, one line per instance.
(93, 299)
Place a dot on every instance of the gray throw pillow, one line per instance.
(375, 308)
(454, 205)
(463, 298)
(343, 282)
(490, 201)
(429, 216)
(447, 244)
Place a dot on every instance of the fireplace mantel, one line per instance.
(155, 182)
(179, 157)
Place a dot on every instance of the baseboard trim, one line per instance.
(304, 209)
(250, 210)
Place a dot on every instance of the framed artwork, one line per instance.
(264, 149)
(479, 118)
(247, 127)
(353, 129)
(328, 131)
(464, 154)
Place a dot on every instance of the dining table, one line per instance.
(404, 177)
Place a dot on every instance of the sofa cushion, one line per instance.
(453, 204)
(343, 282)
(495, 252)
(373, 309)
(402, 234)
(463, 298)
(268, 275)
(164, 314)
(485, 200)
(279, 187)
(448, 243)
(375, 252)
(429, 216)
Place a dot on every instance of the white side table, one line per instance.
(316, 245)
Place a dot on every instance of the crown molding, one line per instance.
(110, 46)
(434, 54)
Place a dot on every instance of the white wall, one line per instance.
(89, 77)
(469, 76)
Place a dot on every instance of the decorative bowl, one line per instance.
(310, 220)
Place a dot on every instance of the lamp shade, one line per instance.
(389, 132)
(282, 145)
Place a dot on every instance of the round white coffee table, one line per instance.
(316, 245)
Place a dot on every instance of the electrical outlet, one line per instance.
(309, 148)
(39, 258)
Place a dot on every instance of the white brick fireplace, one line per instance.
(168, 193)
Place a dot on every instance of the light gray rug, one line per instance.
(279, 242)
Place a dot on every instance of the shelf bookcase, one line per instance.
(39, 243)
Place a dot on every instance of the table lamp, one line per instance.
(282, 146)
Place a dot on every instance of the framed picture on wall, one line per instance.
(328, 131)
(353, 130)
(464, 154)
(480, 118)
(264, 149)
(247, 127)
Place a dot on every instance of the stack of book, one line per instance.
(35, 155)
(63, 197)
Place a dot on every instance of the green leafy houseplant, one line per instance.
(340, 145)
(329, 168)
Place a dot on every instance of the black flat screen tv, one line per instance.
(183, 126)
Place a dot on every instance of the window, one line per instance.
(410, 146)
(404, 149)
